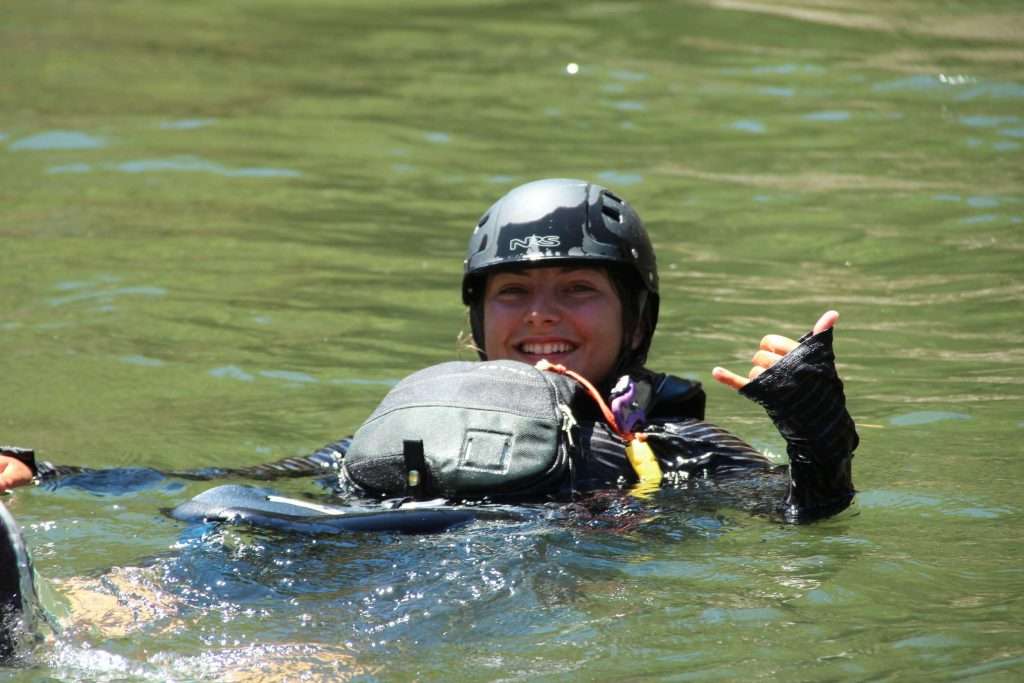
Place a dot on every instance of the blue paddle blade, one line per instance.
(262, 508)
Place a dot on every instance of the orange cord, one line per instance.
(609, 416)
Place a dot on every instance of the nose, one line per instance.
(542, 309)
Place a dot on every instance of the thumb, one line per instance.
(826, 322)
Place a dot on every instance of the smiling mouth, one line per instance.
(547, 348)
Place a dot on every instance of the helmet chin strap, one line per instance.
(631, 346)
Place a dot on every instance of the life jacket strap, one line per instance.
(416, 472)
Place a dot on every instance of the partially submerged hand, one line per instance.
(13, 473)
(773, 348)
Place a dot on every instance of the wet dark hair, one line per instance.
(638, 313)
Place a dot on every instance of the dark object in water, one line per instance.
(18, 601)
(263, 508)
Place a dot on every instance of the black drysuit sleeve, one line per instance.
(119, 480)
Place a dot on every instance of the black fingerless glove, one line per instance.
(803, 396)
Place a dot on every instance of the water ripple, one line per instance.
(142, 360)
(777, 92)
(788, 69)
(749, 126)
(629, 105)
(626, 75)
(59, 139)
(232, 372)
(70, 168)
(109, 294)
(919, 83)
(193, 164)
(827, 116)
(981, 121)
(995, 91)
(925, 417)
(289, 376)
(186, 124)
(437, 137)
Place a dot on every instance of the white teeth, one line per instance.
(547, 348)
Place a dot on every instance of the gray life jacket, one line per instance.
(495, 429)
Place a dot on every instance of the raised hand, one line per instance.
(773, 347)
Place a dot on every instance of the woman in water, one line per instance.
(563, 270)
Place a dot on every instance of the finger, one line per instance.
(729, 379)
(755, 372)
(827, 320)
(778, 344)
(765, 359)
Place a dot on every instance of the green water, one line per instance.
(225, 228)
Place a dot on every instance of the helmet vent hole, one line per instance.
(482, 221)
(612, 213)
(611, 206)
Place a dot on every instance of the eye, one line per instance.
(581, 287)
(508, 289)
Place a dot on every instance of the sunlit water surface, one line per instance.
(227, 228)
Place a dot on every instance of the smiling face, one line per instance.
(568, 315)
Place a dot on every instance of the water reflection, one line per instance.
(289, 376)
(925, 417)
(193, 164)
(828, 116)
(59, 140)
(749, 126)
(183, 163)
(777, 91)
(982, 121)
(144, 361)
(108, 295)
(232, 372)
(70, 168)
(788, 69)
(627, 75)
(187, 124)
(629, 105)
(437, 137)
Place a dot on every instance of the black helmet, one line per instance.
(554, 221)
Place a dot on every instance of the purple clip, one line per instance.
(627, 413)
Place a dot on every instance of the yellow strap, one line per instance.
(645, 463)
